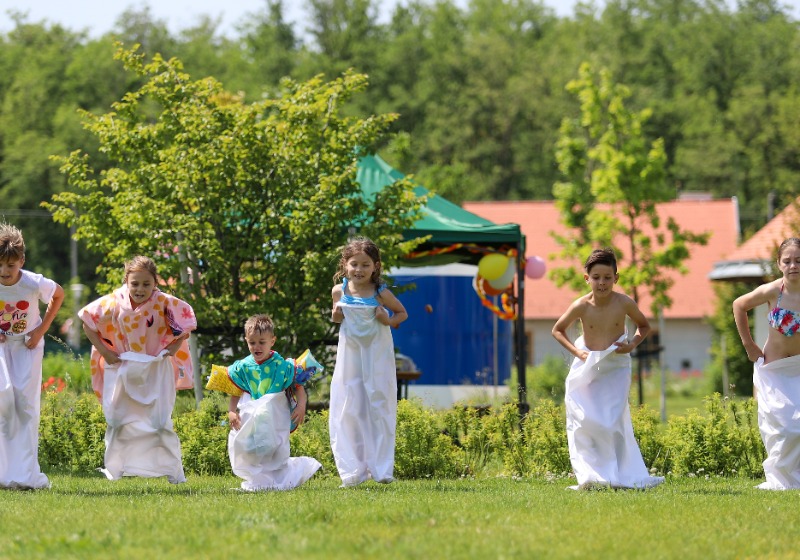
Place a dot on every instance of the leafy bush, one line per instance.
(422, 450)
(544, 432)
(71, 432)
(312, 439)
(725, 440)
(547, 380)
(722, 440)
(204, 436)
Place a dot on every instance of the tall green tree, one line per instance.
(614, 181)
(243, 206)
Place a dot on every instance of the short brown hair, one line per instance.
(601, 256)
(12, 245)
(261, 323)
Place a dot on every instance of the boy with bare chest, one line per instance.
(602, 447)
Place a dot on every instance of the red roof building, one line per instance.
(686, 337)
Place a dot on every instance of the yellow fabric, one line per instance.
(219, 381)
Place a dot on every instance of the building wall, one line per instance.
(687, 342)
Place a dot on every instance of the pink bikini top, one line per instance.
(785, 321)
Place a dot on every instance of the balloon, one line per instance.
(487, 288)
(508, 276)
(492, 266)
(535, 267)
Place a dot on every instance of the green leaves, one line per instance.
(614, 177)
(248, 202)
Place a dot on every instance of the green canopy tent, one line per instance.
(447, 224)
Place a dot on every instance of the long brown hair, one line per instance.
(355, 246)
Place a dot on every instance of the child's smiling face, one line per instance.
(360, 268)
(10, 271)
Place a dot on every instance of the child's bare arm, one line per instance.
(572, 314)
(741, 306)
(642, 327)
(94, 337)
(233, 413)
(299, 412)
(390, 301)
(337, 316)
(52, 308)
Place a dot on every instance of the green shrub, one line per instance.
(422, 450)
(312, 439)
(649, 433)
(544, 432)
(72, 368)
(724, 441)
(204, 436)
(547, 380)
(71, 432)
(467, 432)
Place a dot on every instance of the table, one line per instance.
(403, 377)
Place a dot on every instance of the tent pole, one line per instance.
(522, 385)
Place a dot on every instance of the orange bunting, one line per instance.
(507, 309)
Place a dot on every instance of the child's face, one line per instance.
(260, 344)
(601, 279)
(789, 263)
(10, 271)
(140, 285)
(359, 268)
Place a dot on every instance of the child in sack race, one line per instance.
(140, 357)
(602, 447)
(363, 402)
(776, 367)
(22, 330)
(263, 416)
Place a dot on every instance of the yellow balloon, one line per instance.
(492, 266)
(506, 278)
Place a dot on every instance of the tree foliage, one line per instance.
(614, 181)
(243, 205)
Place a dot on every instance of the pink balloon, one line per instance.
(535, 267)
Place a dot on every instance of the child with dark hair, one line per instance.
(602, 447)
(363, 403)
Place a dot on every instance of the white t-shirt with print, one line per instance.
(19, 304)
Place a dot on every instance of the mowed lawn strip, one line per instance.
(469, 518)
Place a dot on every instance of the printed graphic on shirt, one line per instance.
(14, 317)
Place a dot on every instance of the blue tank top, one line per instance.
(355, 300)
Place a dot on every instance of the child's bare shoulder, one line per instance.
(337, 290)
(581, 305)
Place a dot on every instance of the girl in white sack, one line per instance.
(777, 367)
(363, 402)
(140, 357)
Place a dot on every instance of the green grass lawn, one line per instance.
(688, 518)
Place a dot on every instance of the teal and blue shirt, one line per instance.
(274, 375)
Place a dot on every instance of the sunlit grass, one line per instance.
(468, 518)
